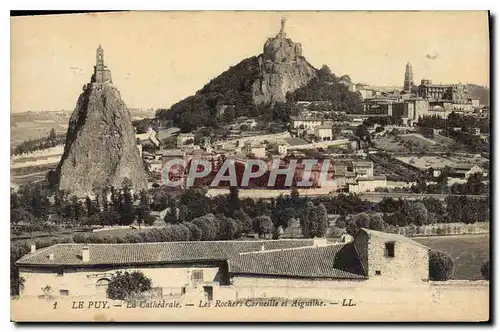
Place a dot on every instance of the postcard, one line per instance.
(250, 166)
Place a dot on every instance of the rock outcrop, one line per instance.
(101, 148)
(256, 81)
(283, 69)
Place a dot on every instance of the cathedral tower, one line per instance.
(408, 84)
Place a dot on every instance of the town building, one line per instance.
(420, 107)
(371, 258)
(405, 111)
(451, 92)
(148, 138)
(185, 139)
(323, 133)
(213, 267)
(257, 150)
(297, 122)
(282, 146)
(80, 269)
(368, 183)
(464, 171)
(363, 168)
(163, 134)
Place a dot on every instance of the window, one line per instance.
(377, 272)
(197, 276)
(208, 293)
(63, 292)
(389, 249)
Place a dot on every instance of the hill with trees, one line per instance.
(255, 85)
(480, 92)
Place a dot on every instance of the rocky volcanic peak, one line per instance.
(101, 147)
(283, 69)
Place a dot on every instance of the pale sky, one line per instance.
(159, 58)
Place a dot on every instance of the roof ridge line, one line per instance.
(223, 241)
(295, 248)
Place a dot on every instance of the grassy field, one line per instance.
(468, 252)
(418, 139)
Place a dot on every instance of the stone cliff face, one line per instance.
(101, 147)
(283, 69)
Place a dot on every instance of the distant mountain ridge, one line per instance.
(480, 92)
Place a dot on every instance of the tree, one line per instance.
(183, 214)
(149, 220)
(196, 201)
(245, 221)
(314, 220)
(434, 205)
(234, 200)
(52, 135)
(208, 225)
(390, 205)
(362, 220)
(171, 214)
(415, 213)
(20, 215)
(262, 225)
(196, 232)
(475, 185)
(376, 222)
(160, 201)
(228, 228)
(485, 270)
(143, 211)
(125, 285)
(127, 183)
(126, 208)
(441, 266)
(351, 227)
(142, 126)
(362, 132)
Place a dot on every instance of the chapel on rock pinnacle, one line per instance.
(101, 73)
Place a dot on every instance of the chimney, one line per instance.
(33, 248)
(85, 254)
(51, 255)
(262, 247)
(319, 241)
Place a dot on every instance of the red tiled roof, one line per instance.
(339, 261)
(151, 253)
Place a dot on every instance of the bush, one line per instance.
(441, 266)
(149, 220)
(195, 231)
(125, 285)
(485, 270)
